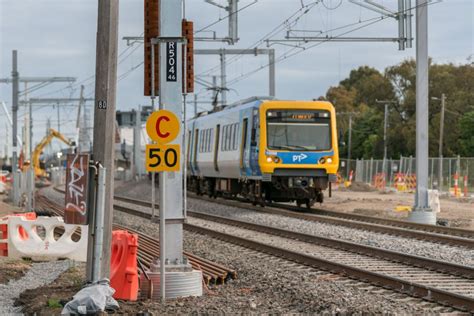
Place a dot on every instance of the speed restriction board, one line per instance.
(162, 127)
(162, 157)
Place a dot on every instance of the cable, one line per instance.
(334, 8)
(303, 10)
(286, 55)
(221, 19)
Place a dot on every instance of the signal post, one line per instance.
(166, 128)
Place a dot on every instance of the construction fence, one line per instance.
(455, 175)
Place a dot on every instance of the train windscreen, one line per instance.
(298, 130)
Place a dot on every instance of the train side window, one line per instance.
(196, 138)
(234, 138)
(207, 141)
(228, 138)
(188, 147)
(253, 137)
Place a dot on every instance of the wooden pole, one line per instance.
(104, 115)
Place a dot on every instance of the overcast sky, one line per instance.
(57, 38)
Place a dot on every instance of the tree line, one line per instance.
(358, 94)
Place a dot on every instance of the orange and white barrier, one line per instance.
(3, 182)
(456, 184)
(123, 265)
(36, 239)
(4, 231)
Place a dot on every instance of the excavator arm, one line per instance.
(39, 149)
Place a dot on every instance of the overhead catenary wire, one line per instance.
(290, 20)
(288, 55)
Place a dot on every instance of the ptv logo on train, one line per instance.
(299, 158)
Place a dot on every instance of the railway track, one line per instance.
(437, 234)
(148, 249)
(437, 281)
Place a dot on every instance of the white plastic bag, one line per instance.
(95, 297)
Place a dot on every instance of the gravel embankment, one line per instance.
(39, 274)
(266, 284)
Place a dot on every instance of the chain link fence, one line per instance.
(442, 172)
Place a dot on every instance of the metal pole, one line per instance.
(401, 25)
(195, 104)
(441, 131)
(59, 120)
(223, 78)
(104, 113)
(271, 69)
(349, 146)
(153, 174)
(15, 83)
(421, 210)
(30, 173)
(99, 225)
(385, 123)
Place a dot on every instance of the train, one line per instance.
(264, 150)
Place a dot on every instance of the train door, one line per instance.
(216, 148)
(254, 140)
(244, 147)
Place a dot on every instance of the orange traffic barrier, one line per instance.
(456, 187)
(123, 265)
(379, 181)
(21, 231)
(465, 187)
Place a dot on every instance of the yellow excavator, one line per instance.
(41, 172)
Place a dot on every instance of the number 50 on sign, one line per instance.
(162, 157)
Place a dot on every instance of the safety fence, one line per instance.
(454, 175)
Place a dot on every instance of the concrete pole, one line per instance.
(104, 115)
(223, 78)
(171, 183)
(349, 146)
(385, 123)
(15, 88)
(271, 69)
(422, 212)
(441, 132)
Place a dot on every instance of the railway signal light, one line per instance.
(152, 29)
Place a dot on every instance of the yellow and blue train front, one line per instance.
(298, 153)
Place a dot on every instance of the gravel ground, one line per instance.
(266, 284)
(39, 274)
(427, 249)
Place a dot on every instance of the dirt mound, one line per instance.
(359, 187)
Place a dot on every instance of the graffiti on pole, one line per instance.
(77, 172)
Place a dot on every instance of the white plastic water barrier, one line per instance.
(42, 241)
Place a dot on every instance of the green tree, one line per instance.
(466, 140)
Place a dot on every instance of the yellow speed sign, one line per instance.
(162, 126)
(162, 157)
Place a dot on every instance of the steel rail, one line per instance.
(395, 283)
(390, 230)
(426, 292)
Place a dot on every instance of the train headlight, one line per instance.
(325, 160)
(274, 159)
